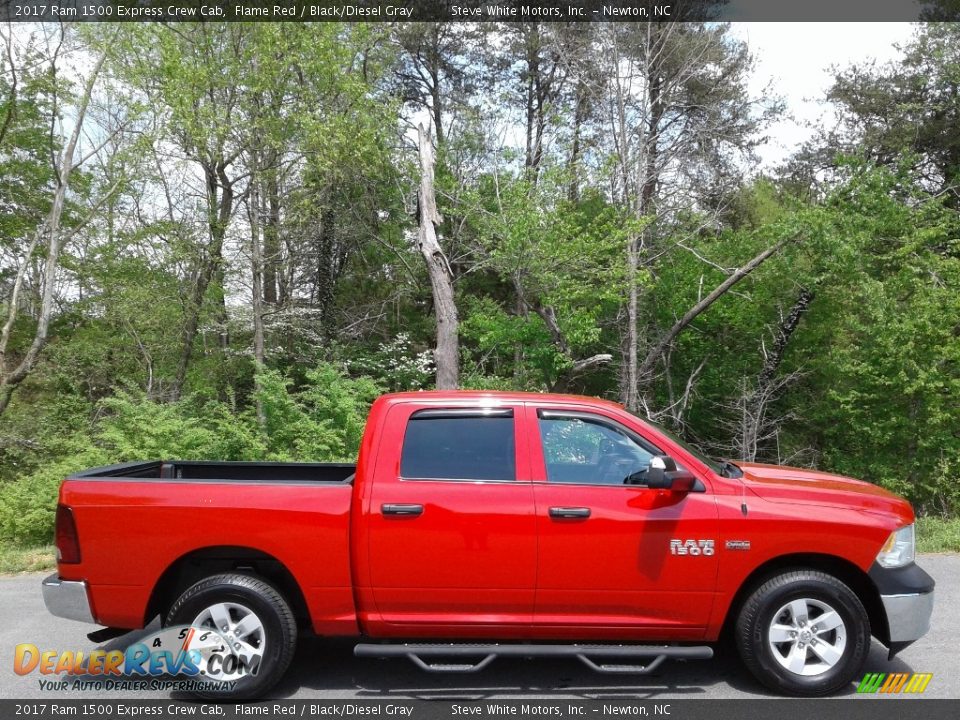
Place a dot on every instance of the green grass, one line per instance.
(16, 559)
(936, 535)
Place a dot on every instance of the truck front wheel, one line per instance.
(803, 633)
(257, 627)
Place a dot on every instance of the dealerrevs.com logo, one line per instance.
(894, 683)
(180, 657)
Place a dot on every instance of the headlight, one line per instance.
(899, 549)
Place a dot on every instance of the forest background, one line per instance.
(220, 241)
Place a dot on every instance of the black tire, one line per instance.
(279, 628)
(757, 644)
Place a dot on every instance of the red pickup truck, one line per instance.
(477, 525)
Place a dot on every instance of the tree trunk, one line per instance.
(532, 46)
(631, 395)
(271, 238)
(784, 332)
(447, 354)
(645, 206)
(256, 207)
(573, 163)
(540, 88)
(756, 426)
(521, 311)
(326, 272)
(220, 296)
(220, 208)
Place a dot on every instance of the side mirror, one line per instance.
(682, 481)
(657, 472)
(664, 475)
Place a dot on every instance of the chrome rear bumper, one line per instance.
(67, 599)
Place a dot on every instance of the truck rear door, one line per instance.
(609, 562)
(450, 521)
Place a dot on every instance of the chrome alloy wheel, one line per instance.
(241, 629)
(807, 636)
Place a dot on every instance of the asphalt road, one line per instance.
(325, 670)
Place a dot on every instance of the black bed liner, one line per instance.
(216, 470)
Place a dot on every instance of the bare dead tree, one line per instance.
(10, 102)
(677, 405)
(255, 214)
(447, 354)
(782, 334)
(653, 355)
(677, 112)
(52, 236)
(753, 424)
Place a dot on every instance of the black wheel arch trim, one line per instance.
(907, 580)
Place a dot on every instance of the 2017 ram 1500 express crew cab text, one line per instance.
(519, 524)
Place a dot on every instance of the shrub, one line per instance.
(321, 421)
(27, 506)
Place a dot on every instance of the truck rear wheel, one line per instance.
(254, 620)
(803, 633)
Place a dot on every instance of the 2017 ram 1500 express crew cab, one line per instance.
(519, 523)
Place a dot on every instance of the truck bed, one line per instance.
(285, 472)
(142, 521)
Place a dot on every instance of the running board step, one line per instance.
(475, 657)
(104, 634)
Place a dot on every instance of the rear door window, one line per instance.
(459, 445)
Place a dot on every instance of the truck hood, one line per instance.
(778, 483)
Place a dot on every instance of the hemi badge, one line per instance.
(738, 544)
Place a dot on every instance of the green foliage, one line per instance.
(323, 421)
(26, 177)
(137, 429)
(319, 421)
(888, 370)
(876, 355)
(342, 403)
(27, 506)
(560, 254)
(478, 381)
(909, 109)
(312, 122)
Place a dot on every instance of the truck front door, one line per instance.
(617, 559)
